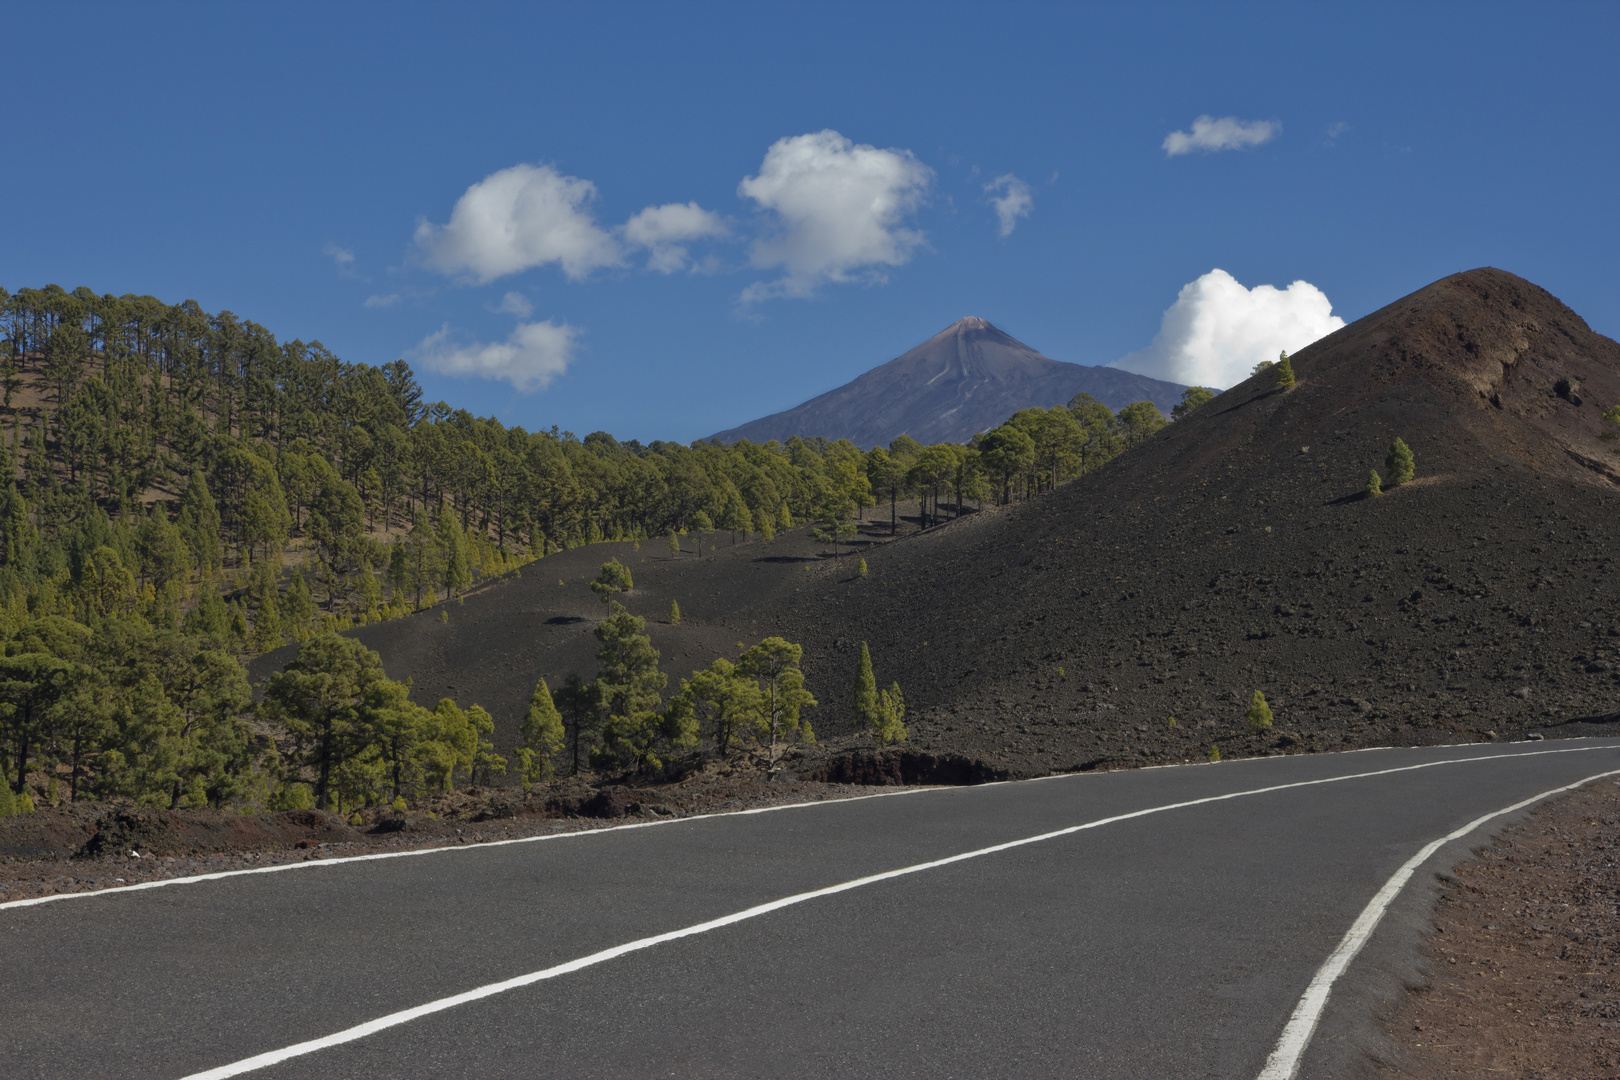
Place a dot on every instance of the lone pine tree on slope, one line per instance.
(1285, 371)
(1259, 715)
(883, 711)
(1399, 463)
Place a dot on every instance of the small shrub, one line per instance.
(861, 568)
(1214, 752)
(356, 820)
(1060, 672)
(25, 802)
(444, 616)
(1259, 715)
(674, 613)
(1399, 463)
(1285, 372)
(293, 797)
(1375, 486)
(1172, 722)
(399, 804)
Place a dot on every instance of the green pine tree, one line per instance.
(674, 613)
(891, 726)
(1399, 463)
(266, 611)
(298, 605)
(1285, 371)
(453, 543)
(674, 544)
(199, 524)
(1375, 486)
(541, 736)
(1259, 714)
(866, 692)
(370, 592)
(860, 568)
(614, 579)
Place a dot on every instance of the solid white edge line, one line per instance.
(220, 875)
(1284, 1062)
(370, 1027)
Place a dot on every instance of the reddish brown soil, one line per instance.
(1525, 958)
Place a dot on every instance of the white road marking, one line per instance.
(1283, 1064)
(345, 860)
(382, 1023)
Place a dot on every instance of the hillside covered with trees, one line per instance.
(184, 491)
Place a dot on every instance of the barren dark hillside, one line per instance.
(1232, 552)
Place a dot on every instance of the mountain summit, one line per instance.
(965, 379)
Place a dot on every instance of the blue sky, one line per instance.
(720, 210)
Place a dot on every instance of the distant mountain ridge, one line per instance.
(965, 379)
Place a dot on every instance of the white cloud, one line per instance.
(1335, 130)
(1014, 201)
(839, 210)
(517, 219)
(379, 300)
(1217, 330)
(664, 230)
(533, 356)
(1228, 133)
(343, 256)
(515, 303)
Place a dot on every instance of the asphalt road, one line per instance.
(1170, 944)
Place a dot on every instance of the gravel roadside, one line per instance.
(1525, 956)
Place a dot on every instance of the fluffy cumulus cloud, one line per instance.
(1012, 199)
(534, 355)
(1228, 133)
(517, 219)
(1217, 330)
(838, 210)
(665, 230)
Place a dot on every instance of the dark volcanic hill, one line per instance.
(1234, 551)
(965, 379)
(1231, 552)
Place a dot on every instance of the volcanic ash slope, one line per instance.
(1234, 552)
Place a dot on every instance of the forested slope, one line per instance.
(187, 491)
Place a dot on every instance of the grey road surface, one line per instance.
(1173, 944)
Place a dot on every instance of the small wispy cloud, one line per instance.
(382, 300)
(343, 256)
(1335, 130)
(1012, 199)
(666, 230)
(1209, 135)
(515, 303)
